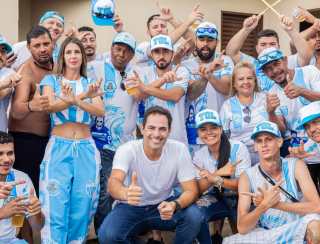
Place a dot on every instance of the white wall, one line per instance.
(9, 19)
(135, 13)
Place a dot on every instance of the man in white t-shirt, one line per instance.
(143, 176)
(164, 84)
(18, 195)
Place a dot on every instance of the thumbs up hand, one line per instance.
(134, 191)
(34, 206)
(38, 102)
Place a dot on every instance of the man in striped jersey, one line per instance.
(285, 198)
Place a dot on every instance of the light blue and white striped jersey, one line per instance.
(307, 77)
(119, 122)
(274, 218)
(210, 98)
(239, 151)
(311, 146)
(148, 74)
(233, 113)
(73, 113)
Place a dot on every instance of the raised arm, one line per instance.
(236, 42)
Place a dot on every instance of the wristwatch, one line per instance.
(178, 206)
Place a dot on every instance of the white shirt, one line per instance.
(7, 231)
(156, 178)
(293, 61)
(178, 130)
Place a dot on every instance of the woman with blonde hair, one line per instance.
(246, 107)
(69, 172)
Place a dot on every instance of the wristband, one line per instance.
(178, 206)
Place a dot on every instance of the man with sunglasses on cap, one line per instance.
(54, 22)
(210, 73)
(265, 39)
(121, 109)
(286, 204)
(292, 90)
(309, 120)
(164, 84)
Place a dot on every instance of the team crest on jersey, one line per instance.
(109, 88)
(53, 188)
(90, 189)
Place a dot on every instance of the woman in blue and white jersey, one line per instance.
(245, 108)
(219, 163)
(69, 172)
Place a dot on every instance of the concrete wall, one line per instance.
(135, 14)
(9, 19)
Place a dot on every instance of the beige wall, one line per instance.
(135, 14)
(9, 19)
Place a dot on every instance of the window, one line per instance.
(231, 23)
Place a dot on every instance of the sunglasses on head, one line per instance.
(272, 56)
(209, 30)
(247, 114)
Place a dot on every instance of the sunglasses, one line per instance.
(123, 77)
(272, 56)
(247, 114)
(209, 30)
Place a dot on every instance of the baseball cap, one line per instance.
(308, 113)
(102, 12)
(207, 116)
(161, 41)
(125, 38)
(269, 55)
(51, 14)
(7, 46)
(266, 126)
(207, 29)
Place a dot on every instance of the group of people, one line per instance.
(169, 134)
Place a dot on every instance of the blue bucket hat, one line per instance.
(51, 14)
(102, 12)
(207, 116)
(308, 113)
(268, 127)
(269, 55)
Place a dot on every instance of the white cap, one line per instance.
(161, 41)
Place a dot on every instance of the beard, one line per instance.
(162, 64)
(42, 60)
(205, 57)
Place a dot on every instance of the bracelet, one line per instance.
(178, 206)
(29, 108)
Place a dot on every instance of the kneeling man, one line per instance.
(286, 201)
